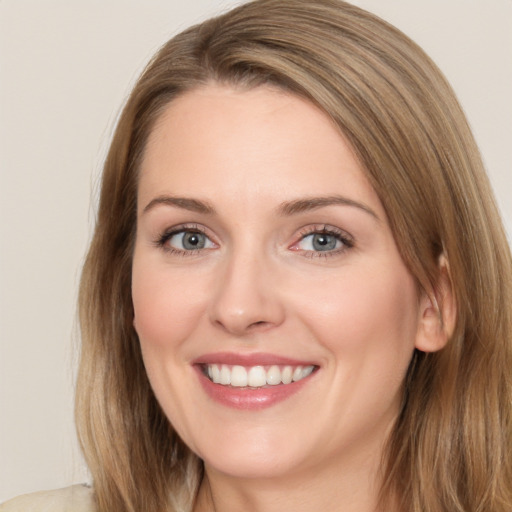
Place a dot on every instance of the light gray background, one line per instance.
(65, 68)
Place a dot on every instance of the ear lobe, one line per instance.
(438, 312)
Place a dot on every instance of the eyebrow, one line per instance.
(293, 207)
(312, 203)
(193, 205)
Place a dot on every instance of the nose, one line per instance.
(246, 299)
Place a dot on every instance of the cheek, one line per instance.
(167, 308)
(167, 305)
(367, 322)
(368, 313)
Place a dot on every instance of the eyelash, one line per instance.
(346, 240)
(162, 240)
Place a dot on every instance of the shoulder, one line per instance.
(77, 498)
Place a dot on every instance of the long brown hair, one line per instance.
(451, 446)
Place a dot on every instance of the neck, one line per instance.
(351, 486)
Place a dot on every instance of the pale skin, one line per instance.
(296, 259)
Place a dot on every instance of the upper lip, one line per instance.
(256, 359)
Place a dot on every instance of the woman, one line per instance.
(298, 290)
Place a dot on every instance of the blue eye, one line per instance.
(321, 242)
(186, 240)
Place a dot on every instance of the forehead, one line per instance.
(226, 143)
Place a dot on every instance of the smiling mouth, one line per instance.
(255, 377)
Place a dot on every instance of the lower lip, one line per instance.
(250, 398)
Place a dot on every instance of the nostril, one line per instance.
(258, 324)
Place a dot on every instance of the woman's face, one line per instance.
(275, 315)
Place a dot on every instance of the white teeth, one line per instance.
(287, 374)
(239, 377)
(256, 376)
(215, 374)
(225, 375)
(274, 376)
(306, 371)
(301, 372)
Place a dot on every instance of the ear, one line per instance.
(438, 312)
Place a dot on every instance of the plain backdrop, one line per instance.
(66, 67)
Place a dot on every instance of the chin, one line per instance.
(264, 465)
(255, 455)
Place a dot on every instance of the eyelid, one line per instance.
(162, 239)
(343, 236)
(346, 239)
